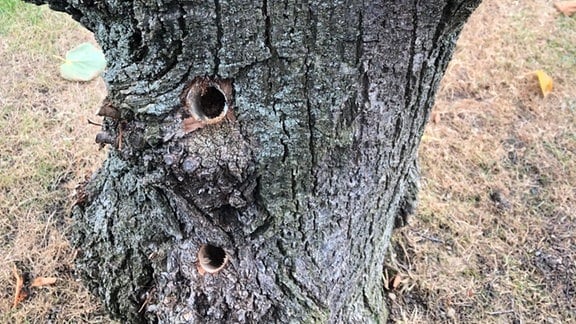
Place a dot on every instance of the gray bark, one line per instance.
(299, 184)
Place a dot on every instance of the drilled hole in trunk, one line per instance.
(212, 102)
(206, 101)
(212, 258)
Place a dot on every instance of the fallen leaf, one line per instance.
(19, 294)
(83, 63)
(568, 8)
(43, 281)
(545, 82)
(397, 281)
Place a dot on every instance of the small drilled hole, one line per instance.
(212, 102)
(212, 258)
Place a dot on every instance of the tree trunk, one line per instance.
(261, 152)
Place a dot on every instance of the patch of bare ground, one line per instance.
(46, 148)
(494, 239)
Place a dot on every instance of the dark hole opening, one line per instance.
(212, 102)
(211, 257)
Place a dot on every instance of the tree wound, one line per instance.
(212, 102)
(207, 99)
(211, 258)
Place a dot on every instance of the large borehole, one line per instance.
(212, 258)
(212, 103)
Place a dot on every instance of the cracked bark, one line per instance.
(301, 187)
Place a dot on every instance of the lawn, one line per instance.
(494, 236)
(46, 148)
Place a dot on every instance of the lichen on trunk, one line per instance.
(260, 154)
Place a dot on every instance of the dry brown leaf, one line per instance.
(435, 117)
(568, 8)
(43, 281)
(19, 293)
(397, 281)
(545, 81)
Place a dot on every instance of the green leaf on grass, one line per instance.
(83, 63)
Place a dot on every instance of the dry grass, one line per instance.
(46, 148)
(494, 239)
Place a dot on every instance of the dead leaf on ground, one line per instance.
(43, 281)
(545, 81)
(568, 8)
(19, 293)
(397, 281)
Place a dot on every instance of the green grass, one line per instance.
(27, 28)
(9, 7)
(14, 13)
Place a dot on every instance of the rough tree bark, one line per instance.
(278, 137)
